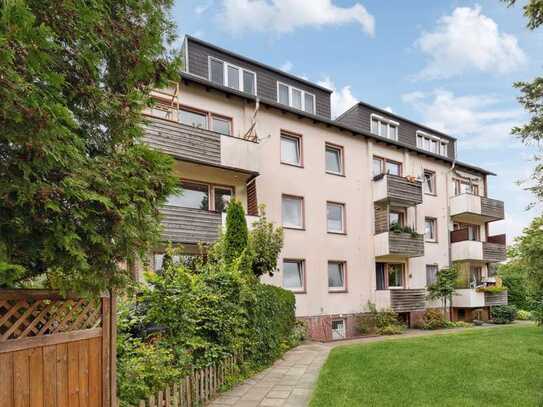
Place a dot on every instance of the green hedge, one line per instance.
(270, 321)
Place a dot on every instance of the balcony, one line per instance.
(401, 300)
(398, 245)
(463, 249)
(470, 208)
(471, 298)
(200, 145)
(398, 191)
(193, 226)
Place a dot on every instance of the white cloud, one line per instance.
(202, 8)
(287, 66)
(341, 99)
(389, 109)
(283, 16)
(476, 120)
(467, 39)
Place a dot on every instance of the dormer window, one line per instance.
(433, 144)
(232, 76)
(296, 98)
(384, 127)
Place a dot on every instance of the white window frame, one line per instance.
(303, 93)
(343, 270)
(433, 182)
(301, 212)
(424, 143)
(301, 263)
(225, 65)
(388, 123)
(298, 139)
(339, 334)
(339, 149)
(434, 222)
(342, 207)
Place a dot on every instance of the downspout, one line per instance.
(449, 229)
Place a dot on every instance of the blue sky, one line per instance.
(448, 64)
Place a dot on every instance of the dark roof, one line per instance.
(260, 64)
(394, 115)
(328, 122)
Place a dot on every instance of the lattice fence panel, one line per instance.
(23, 318)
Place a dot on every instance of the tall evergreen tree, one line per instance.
(79, 192)
(237, 234)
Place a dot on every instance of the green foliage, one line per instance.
(503, 314)
(78, 191)
(434, 319)
(444, 287)
(194, 316)
(382, 322)
(537, 313)
(237, 234)
(266, 242)
(491, 289)
(523, 315)
(397, 228)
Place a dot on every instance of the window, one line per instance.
(291, 149)
(334, 159)
(294, 97)
(430, 230)
(384, 127)
(336, 275)
(293, 216)
(216, 71)
(429, 182)
(221, 125)
(235, 77)
(309, 103)
(475, 276)
(473, 231)
(222, 197)
(192, 118)
(389, 275)
(188, 260)
(293, 275)
(205, 120)
(395, 217)
(283, 94)
(431, 274)
(193, 195)
(206, 197)
(395, 275)
(431, 143)
(338, 329)
(335, 217)
(386, 166)
(465, 187)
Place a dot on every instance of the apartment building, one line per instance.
(372, 204)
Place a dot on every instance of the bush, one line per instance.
(365, 324)
(503, 314)
(433, 319)
(523, 315)
(391, 330)
(459, 324)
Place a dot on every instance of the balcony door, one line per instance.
(473, 231)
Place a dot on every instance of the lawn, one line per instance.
(481, 367)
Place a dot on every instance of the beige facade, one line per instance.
(456, 202)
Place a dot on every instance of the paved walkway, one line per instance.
(290, 381)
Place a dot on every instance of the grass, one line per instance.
(490, 367)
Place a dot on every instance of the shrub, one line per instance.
(491, 289)
(503, 314)
(391, 330)
(236, 235)
(459, 324)
(266, 242)
(365, 324)
(433, 319)
(523, 315)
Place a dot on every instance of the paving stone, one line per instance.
(278, 394)
(272, 402)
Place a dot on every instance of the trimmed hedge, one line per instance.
(503, 314)
(271, 322)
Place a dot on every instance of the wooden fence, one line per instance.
(56, 351)
(194, 390)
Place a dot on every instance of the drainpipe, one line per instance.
(447, 187)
